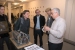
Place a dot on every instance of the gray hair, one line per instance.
(56, 10)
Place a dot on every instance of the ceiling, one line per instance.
(5, 2)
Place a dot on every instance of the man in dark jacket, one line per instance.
(39, 22)
(49, 20)
(4, 36)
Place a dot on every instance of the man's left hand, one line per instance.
(46, 28)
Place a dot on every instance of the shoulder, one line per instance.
(34, 16)
(28, 18)
(19, 19)
(41, 15)
(5, 16)
(62, 21)
(51, 17)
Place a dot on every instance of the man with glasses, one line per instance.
(56, 32)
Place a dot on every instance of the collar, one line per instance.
(57, 18)
(49, 16)
(38, 16)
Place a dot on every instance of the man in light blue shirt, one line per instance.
(39, 22)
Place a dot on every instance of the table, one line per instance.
(14, 45)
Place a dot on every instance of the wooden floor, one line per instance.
(66, 46)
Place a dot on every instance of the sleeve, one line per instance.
(9, 24)
(60, 30)
(34, 19)
(28, 26)
(17, 24)
(44, 20)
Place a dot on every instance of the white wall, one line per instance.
(43, 4)
(70, 18)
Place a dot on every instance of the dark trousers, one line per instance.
(48, 38)
(6, 39)
(40, 34)
(55, 46)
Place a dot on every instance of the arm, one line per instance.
(34, 19)
(28, 26)
(43, 20)
(17, 24)
(9, 25)
(60, 30)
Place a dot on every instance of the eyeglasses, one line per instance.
(53, 13)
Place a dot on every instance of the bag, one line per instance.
(20, 37)
(4, 27)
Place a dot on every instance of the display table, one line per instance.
(14, 45)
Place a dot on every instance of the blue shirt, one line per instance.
(38, 23)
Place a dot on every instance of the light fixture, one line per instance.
(23, 0)
(15, 3)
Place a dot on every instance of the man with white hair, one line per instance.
(56, 32)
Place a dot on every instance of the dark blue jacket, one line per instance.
(22, 25)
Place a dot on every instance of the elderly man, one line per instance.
(56, 32)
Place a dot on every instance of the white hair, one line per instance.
(56, 10)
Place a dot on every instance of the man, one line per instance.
(49, 20)
(39, 22)
(23, 23)
(56, 32)
(4, 36)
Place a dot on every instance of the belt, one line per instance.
(37, 29)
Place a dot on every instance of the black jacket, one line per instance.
(5, 18)
(22, 24)
(50, 21)
(42, 21)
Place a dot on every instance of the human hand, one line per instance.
(46, 28)
(43, 29)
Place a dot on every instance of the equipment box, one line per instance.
(20, 37)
